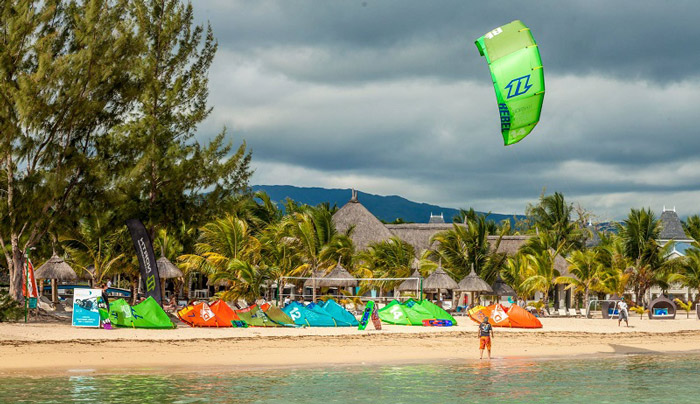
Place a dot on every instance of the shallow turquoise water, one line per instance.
(619, 379)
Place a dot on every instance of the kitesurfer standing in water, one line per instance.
(485, 335)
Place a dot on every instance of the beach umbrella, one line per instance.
(411, 284)
(439, 280)
(55, 269)
(500, 288)
(167, 270)
(472, 283)
(339, 277)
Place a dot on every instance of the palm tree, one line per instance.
(552, 213)
(689, 274)
(92, 244)
(246, 280)
(315, 240)
(542, 273)
(386, 259)
(692, 228)
(540, 252)
(516, 269)
(585, 267)
(639, 233)
(225, 246)
(465, 246)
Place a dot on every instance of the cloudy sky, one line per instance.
(392, 97)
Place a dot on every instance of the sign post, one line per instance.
(85, 311)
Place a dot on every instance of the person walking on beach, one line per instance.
(623, 315)
(485, 335)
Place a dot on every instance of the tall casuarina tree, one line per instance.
(65, 80)
(165, 173)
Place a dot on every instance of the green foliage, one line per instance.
(10, 309)
(552, 214)
(160, 170)
(639, 310)
(391, 258)
(692, 228)
(687, 306)
(65, 80)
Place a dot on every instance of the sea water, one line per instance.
(646, 378)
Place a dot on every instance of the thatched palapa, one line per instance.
(439, 280)
(472, 283)
(56, 268)
(500, 288)
(168, 270)
(318, 274)
(339, 277)
(411, 284)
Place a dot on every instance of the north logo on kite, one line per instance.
(518, 86)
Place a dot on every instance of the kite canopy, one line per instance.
(255, 316)
(501, 316)
(518, 78)
(217, 314)
(413, 312)
(147, 314)
(309, 315)
(339, 313)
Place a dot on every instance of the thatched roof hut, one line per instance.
(418, 234)
(339, 277)
(367, 228)
(500, 288)
(56, 268)
(411, 284)
(168, 270)
(318, 274)
(472, 283)
(439, 280)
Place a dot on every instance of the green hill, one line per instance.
(387, 208)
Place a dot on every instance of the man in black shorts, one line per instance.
(485, 335)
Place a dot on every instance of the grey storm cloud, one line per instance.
(393, 97)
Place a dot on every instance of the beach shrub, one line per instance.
(684, 306)
(639, 310)
(10, 309)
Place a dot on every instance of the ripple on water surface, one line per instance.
(620, 379)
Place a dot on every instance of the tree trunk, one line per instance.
(585, 300)
(16, 271)
(134, 290)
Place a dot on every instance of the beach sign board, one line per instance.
(85, 312)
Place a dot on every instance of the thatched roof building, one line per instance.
(418, 234)
(167, 269)
(56, 268)
(367, 228)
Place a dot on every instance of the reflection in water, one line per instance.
(622, 379)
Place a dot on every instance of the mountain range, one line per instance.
(387, 208)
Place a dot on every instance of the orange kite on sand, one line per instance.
(501, 316)
(218, 314)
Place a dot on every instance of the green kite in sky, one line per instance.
(518, 78)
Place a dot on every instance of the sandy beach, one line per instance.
(48, 348)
